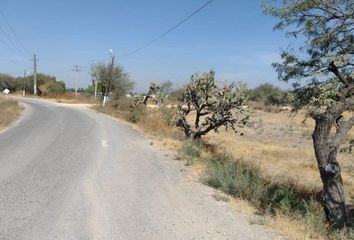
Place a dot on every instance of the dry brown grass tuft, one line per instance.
(292, 228)
(156, 123)
(71, 98)
(9, 111)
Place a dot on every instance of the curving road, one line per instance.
(70, 173)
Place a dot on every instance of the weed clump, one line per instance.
(191, 151)
(238, 179)
(136, 115)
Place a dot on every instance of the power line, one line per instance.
(8, 46)
(10, 41)
(170, 30)
(58, 72)
(13, 32)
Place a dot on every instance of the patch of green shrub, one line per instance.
(122, 104)
(234, 179)
(191, 151)
(169, 115)
(242, 181)
(136, 115)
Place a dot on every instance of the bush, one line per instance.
(169, 116)
(243, 181)
(191, 151)
(271, 95)
(122, 104)
(136, 115)
(234, 179)
(240, 180)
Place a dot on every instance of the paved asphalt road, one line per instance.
(70, 173)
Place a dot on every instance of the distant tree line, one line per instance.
(266, 93)
(46, 85)
(270, 95)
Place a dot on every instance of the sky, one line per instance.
(233, 37)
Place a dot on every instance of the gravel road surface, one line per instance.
(71, 173)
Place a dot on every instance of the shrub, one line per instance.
(240, 180)
(136, 115)
(169, 116)
(191, 151)
(122, 104)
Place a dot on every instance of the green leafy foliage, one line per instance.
(242, 181)
(328, 27)
(271, 95)
(111, 79)
(324, 82)
(46, 85)
(9, 82)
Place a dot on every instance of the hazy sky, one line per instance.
(233, 37)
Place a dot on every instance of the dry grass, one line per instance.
(157, 124)
(9, 111)
(281, 146)
(293, 228)
(71, 98)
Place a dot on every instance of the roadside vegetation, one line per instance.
(290, 151)
(47, 86)
(322, 72)
(270, 163)
(110, 81)
(9, 111)
(322, 94)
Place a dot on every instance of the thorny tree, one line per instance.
(213, 106)
(154, 94)
(323, 70)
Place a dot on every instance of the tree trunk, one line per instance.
(333, 194)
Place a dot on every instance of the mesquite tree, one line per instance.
(111, 78)
(213, 106)
(323, 70)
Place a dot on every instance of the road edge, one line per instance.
(22, 115)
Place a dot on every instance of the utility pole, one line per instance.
(95, 82)
(110, 79)
(77, 70)
(35, 60)
(24, 83)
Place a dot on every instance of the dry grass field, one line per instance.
(9, 110)
(280, 146)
